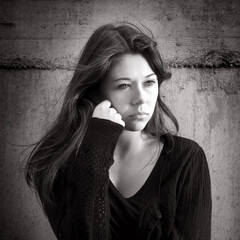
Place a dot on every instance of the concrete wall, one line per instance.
(40, 42)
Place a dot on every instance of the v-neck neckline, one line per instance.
(146, 182)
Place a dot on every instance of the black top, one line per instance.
(180, 210)
(125, 212)
(124, 215)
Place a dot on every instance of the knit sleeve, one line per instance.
(194, 205)
(87, 210)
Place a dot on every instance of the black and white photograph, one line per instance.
(119, 120)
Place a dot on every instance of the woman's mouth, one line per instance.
(139, 115)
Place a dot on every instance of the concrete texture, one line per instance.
(40, 42)
(48, 34)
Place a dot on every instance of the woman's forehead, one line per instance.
(129, 66)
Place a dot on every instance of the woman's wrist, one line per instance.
(102, 133)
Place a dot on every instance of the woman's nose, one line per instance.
(139, 96)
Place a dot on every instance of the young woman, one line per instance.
(109, 168)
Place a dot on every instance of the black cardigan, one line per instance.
(83, 209)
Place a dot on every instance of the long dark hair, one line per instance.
(50, 155)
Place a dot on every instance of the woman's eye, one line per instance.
(123, 86)
(150, 83)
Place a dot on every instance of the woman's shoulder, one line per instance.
(181, 150)
(180, 144)
(184, 143)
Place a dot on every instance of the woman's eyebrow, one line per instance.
(129, 79)
(118, 79)
(150, 75)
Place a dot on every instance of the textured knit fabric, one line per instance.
(182, 209)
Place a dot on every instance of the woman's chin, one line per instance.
(136, 126)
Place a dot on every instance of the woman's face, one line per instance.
(132, 87)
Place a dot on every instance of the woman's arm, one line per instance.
(194, 206)
(86, 215)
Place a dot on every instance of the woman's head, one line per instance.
(104, 48)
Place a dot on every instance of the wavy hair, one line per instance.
(51, 154)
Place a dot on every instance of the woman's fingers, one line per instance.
(112, 110)
(105, 104)
(105, 111)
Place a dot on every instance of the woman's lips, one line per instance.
(139, 115)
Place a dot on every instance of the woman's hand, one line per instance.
(105, 111)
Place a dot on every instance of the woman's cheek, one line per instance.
(119, 104)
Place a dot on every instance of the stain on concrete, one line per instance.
(7, 24)
(211, 59)
(234, 84)
(221, 59)
(225, 79)
(215, 115)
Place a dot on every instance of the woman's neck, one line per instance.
(130, 142)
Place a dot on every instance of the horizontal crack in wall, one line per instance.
(7, 24)
(213, 59)
(25, 63)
